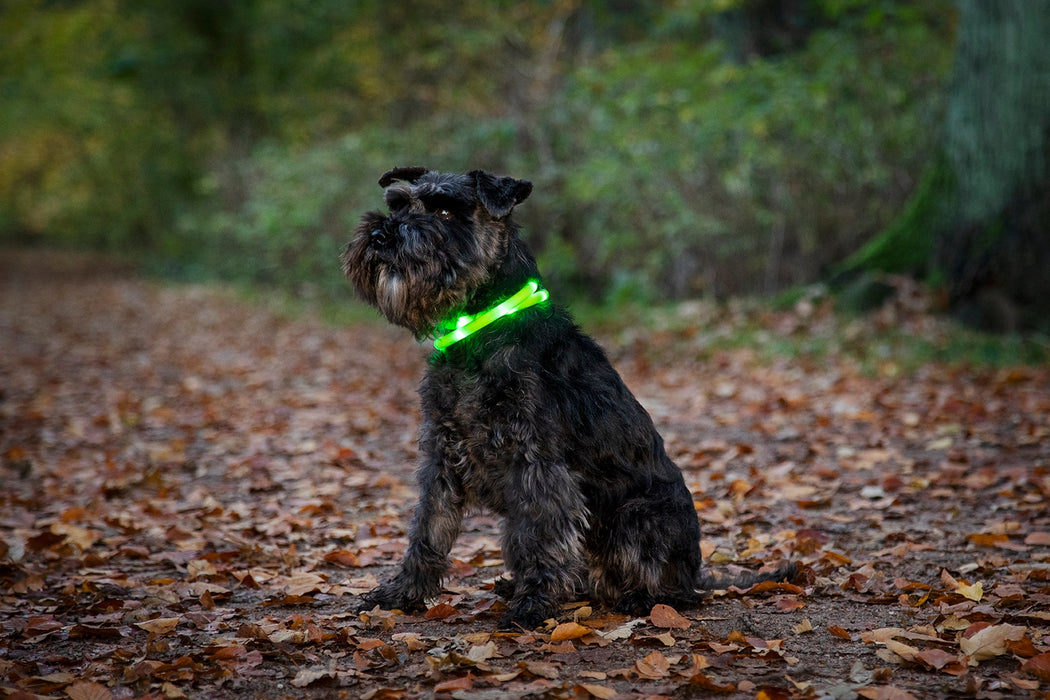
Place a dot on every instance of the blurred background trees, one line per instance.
(679, 148)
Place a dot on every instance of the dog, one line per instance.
(522, 414)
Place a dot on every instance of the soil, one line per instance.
(196, 487)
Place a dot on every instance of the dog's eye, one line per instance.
(444, 214)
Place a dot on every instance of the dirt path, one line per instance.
(194, 489)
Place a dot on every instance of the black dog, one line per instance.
(522, 414)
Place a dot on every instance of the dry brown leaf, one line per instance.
(483, 652)
(990, 642)
(704, 682)
(1038, 539)
(160, 625)
(935, 658)
(86, 690)
(464, 683)
(885, 692)
(342, 557)
(653, 666)
(569, 630)
(307, 676)
(228, 651)
(1038, 666)
(666, 617)
(440, 611)
(411, 640)
(541, 669)
(837, 631)
(598, 691)
(988, 539)
(881, 634)
(905, 651)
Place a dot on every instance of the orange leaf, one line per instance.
(1038, 666)
(653, 667)
(342, 557)
(228, 651)
(885, 692)
(703, 681)
(599, 691)
(464, 683)
(666, 617)
(440, 611)
(988, 539)
(569, 630)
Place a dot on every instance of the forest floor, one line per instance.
(195, 489)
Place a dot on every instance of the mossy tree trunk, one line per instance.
(979, 223)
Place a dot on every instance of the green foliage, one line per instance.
(244, 139)
(698, 175)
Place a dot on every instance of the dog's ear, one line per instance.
(499, 194)
(409, 175)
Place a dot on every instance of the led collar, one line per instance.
(529, 295)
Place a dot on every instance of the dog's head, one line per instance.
(446, 234)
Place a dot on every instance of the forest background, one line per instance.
(679, 149)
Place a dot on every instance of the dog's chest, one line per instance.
(486, 429)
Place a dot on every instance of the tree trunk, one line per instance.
(979, 224)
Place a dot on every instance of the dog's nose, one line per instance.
(380, 236)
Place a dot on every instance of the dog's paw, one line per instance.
(527, 612)
(637, 603)
(389, 596)
(504, 588)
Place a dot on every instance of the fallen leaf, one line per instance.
(990, 642)
(803, 627)
(666, 617)
(483, 652)
(440, 611)
(342, 557)
(885, 692)
(705, 682)
(837, 631)
(972, 591)
(935, 658)
(599, 691)
(160, 625)
(541, 669)
(1038, 666)
(653, 666)
(1039, 539)
(988, 539)
(905, 651)
(569, 630)
(86, 690)
(881, 634)
(307, 676)
(464, 683)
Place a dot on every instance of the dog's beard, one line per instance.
(412, 299)
(415, 291)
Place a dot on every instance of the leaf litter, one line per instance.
(196, 489)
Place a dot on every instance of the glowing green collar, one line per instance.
(529, 295)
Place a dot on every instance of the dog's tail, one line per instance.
(709, 580)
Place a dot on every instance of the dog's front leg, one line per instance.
(542, 542)
(435, 525)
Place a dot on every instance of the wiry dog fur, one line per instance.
(526, 418)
